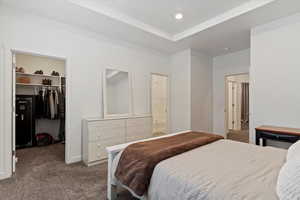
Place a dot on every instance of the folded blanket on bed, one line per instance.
(138, 160)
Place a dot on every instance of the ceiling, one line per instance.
(209, 26)
(160, 13)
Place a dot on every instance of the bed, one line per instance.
(223, 169)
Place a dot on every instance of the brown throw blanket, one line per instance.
(138, 160)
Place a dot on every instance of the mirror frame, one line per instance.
(106, 115)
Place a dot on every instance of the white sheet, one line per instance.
(223, 170)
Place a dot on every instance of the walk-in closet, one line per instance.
(40, 101)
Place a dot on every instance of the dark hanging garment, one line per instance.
(62, 110)
(61, 105)
(47, 113)
(61, 134)
(39, 107)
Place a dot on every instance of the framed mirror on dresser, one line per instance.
(119, 123)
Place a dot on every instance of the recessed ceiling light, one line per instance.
(226, 49)
(178, 16)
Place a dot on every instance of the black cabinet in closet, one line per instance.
(25, 122)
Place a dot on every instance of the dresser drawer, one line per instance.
(139, 122)
(102, 130)
(108, 123)
(97, 150)
(100, 133)
(138, 132)
(94, 152)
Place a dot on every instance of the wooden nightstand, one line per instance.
(282, 134)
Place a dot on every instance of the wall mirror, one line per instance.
(117, 93)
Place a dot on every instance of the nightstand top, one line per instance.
(282, 130)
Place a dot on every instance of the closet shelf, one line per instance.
(37, 75)
(37, 85)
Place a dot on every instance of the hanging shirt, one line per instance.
(52, 107)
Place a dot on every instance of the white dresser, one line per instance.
(101, 133)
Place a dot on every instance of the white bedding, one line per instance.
(223, 170)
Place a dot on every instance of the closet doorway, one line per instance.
(160, 103)
(39, 110)
(237, 107)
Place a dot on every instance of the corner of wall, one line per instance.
(201, 91)
(276, 24)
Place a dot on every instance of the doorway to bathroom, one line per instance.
(237, 107)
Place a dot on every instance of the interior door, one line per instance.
(14, 158)
(159, 101)
(232, 105)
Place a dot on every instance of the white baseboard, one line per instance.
(74, 159)
(4, 176)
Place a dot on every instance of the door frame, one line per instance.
(168, 98)
(13, 52)
(226, 98)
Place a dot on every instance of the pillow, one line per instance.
(293, 151)
(288, 183)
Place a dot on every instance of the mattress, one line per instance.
(223, 170)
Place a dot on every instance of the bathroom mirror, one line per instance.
(117, 93)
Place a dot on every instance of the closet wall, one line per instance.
(31, 64)
(87, 55)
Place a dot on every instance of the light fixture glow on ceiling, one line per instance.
(178, 16)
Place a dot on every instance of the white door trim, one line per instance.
(4, 172)
(13, 113)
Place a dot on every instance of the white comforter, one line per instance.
(223, 170)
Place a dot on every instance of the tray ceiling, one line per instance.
(224, 29)
(157, 16)
(160, 13)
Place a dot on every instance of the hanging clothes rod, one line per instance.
(37, 85)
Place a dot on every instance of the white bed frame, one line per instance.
(112, 152)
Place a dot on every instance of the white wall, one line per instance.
(234, 63)
(181, 91)
(87, 55)
(275, 74)
(192, 73)
(201, 92)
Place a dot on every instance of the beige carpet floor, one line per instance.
(42, 175)
(241, 136)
